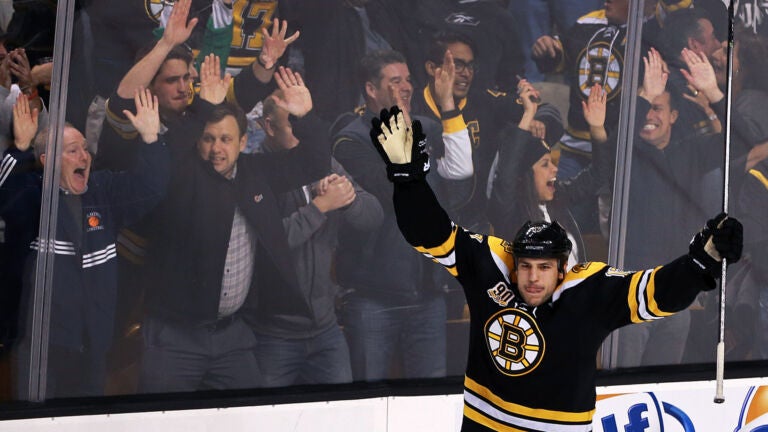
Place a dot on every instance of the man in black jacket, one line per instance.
(219, 255)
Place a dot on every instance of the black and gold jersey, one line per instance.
(594, 54)
(248, 18)
(533, 368)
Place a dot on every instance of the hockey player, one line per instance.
(536, 328)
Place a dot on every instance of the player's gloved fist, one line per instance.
(722, 237)
(403, 148)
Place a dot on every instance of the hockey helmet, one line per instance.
(541, 240)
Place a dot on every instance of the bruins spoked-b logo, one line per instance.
(600, 64)
(514, 342)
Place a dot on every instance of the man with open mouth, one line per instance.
(92, 207)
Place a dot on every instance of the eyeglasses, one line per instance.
(461, 66)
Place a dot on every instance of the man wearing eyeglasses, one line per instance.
(484, 111)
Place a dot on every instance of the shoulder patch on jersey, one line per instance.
(613, 271)
(478, 237)
(515, 343)
(501, 294)
(507, 246)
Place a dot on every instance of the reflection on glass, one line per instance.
(261, 271)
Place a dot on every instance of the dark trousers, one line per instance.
(197, 357)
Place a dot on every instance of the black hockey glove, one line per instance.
(723, 237)
(403, 149)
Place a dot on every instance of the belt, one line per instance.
(220, 324)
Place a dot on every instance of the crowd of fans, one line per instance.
(224, 222)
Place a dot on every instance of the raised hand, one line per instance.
(275, 43)
(526, 96)
(402, 148)
(19, 66)
(445, 75)
(296, 98)
(700, 75)
(147, 118)
(213, 88)
(655, 79)
(338, 193)
(722, 237)
(594, 106)
(24, 123)
(178, 30)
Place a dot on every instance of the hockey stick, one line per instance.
(720, 359)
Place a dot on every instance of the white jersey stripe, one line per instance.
(495, 413)
(501, 265)
(642, 307)
(447, 261)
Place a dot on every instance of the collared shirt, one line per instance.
(238, 266)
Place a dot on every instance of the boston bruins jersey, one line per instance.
(594, 54)
(533, 368)
(248, 18)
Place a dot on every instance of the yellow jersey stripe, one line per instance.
(535, 413)
(444, 249)
(433, 106)
(760, 177)
(454, 124)
(653, 307)
(632, 297)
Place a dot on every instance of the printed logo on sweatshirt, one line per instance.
(462, 19)
(93, 222)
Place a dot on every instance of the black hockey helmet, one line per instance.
(542, 240)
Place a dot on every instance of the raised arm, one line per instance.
(402, 146)
(274, 46)
(655, 79)
(147, 117)
(177, 31)
(24, 123)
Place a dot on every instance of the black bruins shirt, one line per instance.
(593, 52)
(533, 368)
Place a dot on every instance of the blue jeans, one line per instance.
(378, 330)
(323, 359)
